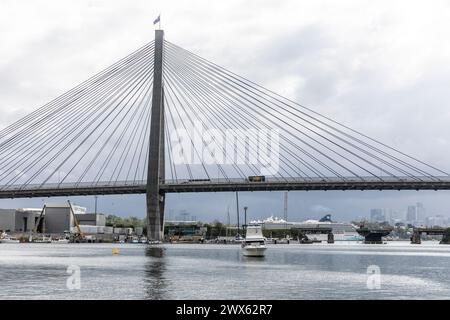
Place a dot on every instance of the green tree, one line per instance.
(119, 222)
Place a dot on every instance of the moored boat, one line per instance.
(254, 244)
(44, 239)
(61, 241)
(4, 238)
(143, 240)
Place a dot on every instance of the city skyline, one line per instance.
(301, 205)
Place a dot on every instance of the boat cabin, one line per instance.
(254, 234)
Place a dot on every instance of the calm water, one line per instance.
(319, 271)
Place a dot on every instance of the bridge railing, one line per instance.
(72, 185)
(309, 180)
(223, 181)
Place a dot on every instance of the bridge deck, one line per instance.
(431, 231)
(226, 185)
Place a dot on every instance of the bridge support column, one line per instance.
(415, 238)
(330, 238)
(155, 173)
(373, 238)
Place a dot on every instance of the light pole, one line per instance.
(245, 219)
(228, 221)
(237, 212)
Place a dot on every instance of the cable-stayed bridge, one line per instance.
(164, 120)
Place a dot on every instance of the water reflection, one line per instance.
(155, 268)
(253, 259)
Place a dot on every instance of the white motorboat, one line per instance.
(254, 244)
(143, 240)
(4, 238)
(61, 241)
(44, 239)
(134, 240)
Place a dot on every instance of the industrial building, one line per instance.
(91, 219)
(7, 220)
(19, 220)
(56, 218)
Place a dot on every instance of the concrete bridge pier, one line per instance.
(415, 238)
(330, 238)
(373, 235)
(156, 164)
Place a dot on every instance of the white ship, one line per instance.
(254, 244)
(341, 231)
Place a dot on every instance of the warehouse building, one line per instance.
(7, 220)
(91, 219)
(57, 218)
(20, 220)
(26, 219)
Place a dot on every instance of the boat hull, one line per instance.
(337, 237)
(251, 251)
(9, 241)
(61, 241)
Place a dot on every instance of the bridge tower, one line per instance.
(156, 167)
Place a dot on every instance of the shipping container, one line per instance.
(139, 231)
(88, 229)
(108, 230)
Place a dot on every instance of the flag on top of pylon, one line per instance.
(157, 20)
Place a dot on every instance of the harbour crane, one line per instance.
(79, 236)
(39, 225)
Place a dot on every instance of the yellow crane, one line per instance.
(80, 234)
(39, 226)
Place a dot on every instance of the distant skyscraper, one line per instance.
(421, 212)
(376, 215)
(396, 217)
(183, 216)
(411, 214)
(436, 221)
(387, 214)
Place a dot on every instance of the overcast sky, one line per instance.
(381, 67)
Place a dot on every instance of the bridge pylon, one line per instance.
(156, 161)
